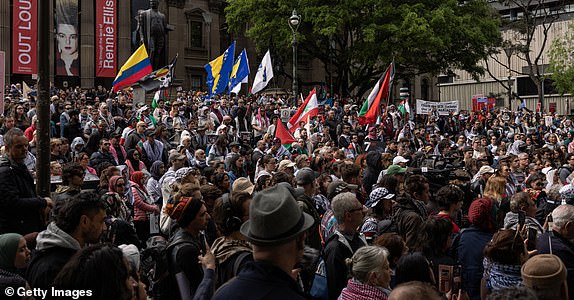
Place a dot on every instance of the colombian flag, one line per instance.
(136, 67)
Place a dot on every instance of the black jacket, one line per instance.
(98, 157)
(21, 210)
(184, 250)
(337, 249)
(372, 172)
(260, 280)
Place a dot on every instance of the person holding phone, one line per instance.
(522, 204)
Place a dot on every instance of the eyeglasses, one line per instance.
(120, 184)
(106, 144)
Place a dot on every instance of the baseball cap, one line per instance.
(176, 156)
(285, 164)
(304, 176)
(395, 169)
(336, 187)
(485, 170)
(399, 159)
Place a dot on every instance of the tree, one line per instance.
(361, 37)
(562, 62)
(533, 17)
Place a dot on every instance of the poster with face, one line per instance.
(67, 38)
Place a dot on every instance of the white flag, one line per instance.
(237, 88)
(264, 74)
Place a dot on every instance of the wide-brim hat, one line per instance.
(275, 217)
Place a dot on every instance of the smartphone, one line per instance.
(456, 279)
(521, 219)
(444, 278)
(532, 237)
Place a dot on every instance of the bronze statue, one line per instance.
(153, 28)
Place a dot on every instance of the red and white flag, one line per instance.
(308, 109)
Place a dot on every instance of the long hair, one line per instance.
(495, 187)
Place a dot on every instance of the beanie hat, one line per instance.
(184, 211)
(543, 271)
(482, 215)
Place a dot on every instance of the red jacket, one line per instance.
(142, 204)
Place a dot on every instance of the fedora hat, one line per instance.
(275, 217)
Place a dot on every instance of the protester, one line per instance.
(276, 249)
(80, 221)
(14, 256)
(371, 275)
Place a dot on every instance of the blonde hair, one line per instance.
(495, 187)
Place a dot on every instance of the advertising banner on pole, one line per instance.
(106, 54)
(443, 108)
(2, 80)
(24, 33)
(67, 38)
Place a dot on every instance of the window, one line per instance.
(425, 89)
(195, 34)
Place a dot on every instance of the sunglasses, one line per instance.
(121, 184)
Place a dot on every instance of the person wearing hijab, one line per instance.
(14, 255)
(115, 200)
(157, 170)
(134, 162)
(143, 206)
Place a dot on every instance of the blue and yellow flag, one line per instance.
(239, 73)
(136, 67)
(218, 71)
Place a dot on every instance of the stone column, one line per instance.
(87, 49)
(124, 31)
(5, 41)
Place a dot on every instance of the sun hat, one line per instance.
(242, 184)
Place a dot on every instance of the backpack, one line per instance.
(155, 266)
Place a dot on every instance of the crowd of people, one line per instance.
(198, 198)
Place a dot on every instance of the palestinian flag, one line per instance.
(284, 135)
(308, 109)
(404, 107)
(371, 106)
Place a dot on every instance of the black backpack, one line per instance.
(155, 267)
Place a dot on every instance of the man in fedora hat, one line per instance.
(277, 230)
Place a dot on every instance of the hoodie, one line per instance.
(372, 172)
(54, 248)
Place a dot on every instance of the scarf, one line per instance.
(223, 248)
(360, 291)
(262, 120)
(155, 151)
(501, 276)
(137, 178)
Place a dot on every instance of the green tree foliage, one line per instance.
(360, 37)
(562, 61)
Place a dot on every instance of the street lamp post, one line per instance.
(508, 51)
(294, 22)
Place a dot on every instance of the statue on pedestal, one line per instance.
(153, 28)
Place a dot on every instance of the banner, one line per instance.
(67, 38)
(24, 42)
(480, 102)
(106, 54)
(443, 108)
(2, 80)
